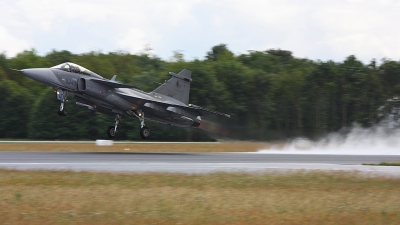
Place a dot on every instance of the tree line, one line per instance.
(270, 94)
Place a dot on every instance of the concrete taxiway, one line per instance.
(196, 162)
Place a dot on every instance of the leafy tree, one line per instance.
(285, 56)
(321, 92)
(270, 94)
(15, 109)
(25, 60)
(57, 57)
(390, 77)
(219, 52)
(3, 75)
(46, 124)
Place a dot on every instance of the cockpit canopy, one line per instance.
(75, 68)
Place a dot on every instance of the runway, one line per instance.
(196, 162)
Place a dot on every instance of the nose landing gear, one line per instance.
(62, 112)
(62, 96)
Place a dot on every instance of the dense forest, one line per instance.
(270, 95)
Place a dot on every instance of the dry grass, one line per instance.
(64, 197)
(137, 147)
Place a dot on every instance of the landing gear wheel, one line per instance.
(111, 132)
(145, 132)
(63, 112)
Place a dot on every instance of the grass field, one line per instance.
(64, 197)
(137, 147)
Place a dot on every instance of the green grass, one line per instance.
(389, 164)
(384, 164)
(65, 197)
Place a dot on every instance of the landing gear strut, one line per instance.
(112, 130)
(144, 131)
(62, 96)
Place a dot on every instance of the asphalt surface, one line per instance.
(196, 162)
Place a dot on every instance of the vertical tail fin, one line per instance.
(177, 87)
(114, 77)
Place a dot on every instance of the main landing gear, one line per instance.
(112, 130)
(144, 131)
(62, 96)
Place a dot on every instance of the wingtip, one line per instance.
(14, 69)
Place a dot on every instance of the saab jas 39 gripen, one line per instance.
(168, 104)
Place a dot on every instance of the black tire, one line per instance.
(144, 132)
(62, 113)
(111, 132)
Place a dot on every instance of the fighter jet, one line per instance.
(168, 104)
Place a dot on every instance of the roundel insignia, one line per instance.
(178, 85)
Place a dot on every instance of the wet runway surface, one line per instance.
(195, 162)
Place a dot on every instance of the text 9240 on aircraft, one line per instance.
(168, 104)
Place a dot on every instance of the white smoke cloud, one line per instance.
(378, 140)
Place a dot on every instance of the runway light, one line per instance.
(104, 142)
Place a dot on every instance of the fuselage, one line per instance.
(108, 97)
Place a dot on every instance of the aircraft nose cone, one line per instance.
(39, 74)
